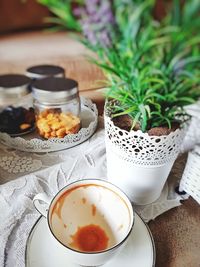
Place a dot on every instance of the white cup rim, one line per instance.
(126, 198)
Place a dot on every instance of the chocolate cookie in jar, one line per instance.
(57, 107)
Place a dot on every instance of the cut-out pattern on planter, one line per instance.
(140, 148)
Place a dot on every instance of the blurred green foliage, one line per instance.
(62, 9)
(152, 66)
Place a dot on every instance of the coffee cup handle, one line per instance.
(42, 208)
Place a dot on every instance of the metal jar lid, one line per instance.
(14, 85)
(53, 90)
(42, 71)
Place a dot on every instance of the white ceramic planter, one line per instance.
(142, 184)
(138, 163)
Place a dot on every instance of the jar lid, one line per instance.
(14, 85)
(53, 90)
(42, 71)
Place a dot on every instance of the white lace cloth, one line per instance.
(190, 181)
(49, 173)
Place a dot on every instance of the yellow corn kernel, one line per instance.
(50, 116)
(60, 132)
(61, 136)
(73, 129)
(55, 126)
(46, 135)
(51, 122)
(53, 134)
(25, 126)
(42, 120)
(44, 113)
(45, 127)
(63, 115)
(41, 132)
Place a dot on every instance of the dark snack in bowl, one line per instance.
(16, 120)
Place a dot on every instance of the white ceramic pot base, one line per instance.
(142, 184)
(41, 250)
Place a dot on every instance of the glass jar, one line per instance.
(57, 107)
(13, 87)
(43, 71)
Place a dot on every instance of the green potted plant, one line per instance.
(152, 74)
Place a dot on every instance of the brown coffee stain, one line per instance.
(94, 210)
(84, 200)
(58, 207)
(59, 204)
(90, 238)
(120, 227)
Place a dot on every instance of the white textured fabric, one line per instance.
(190, 181)
(193, 134)
(50, 172)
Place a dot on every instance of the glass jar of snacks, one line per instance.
(43, 71)
(12, 88)
(57, 107)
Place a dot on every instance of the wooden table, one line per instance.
(176, 232)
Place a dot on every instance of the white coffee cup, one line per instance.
(90, 220)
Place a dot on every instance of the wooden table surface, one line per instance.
(176, 232)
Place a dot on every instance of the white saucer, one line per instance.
(41, 251)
